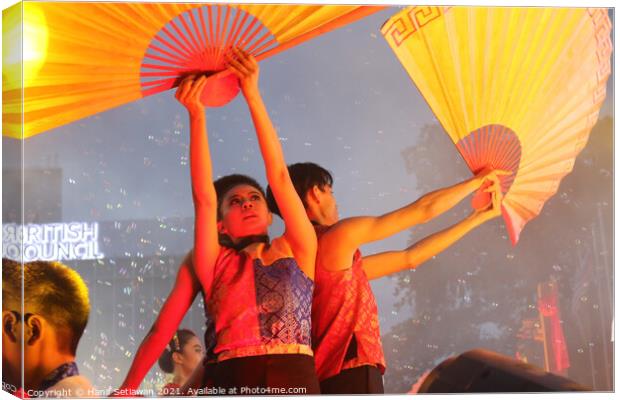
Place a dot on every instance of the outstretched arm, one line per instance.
(180, 299)
(206, 245)
(382, 264)
(298, 229)
(340, 242)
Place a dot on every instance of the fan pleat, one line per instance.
(116, 41)
(488, 73)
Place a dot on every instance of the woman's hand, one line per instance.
(245, 67)
(189, 93)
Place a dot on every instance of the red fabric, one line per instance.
(261, 302)
(548, 308)
(343, 306)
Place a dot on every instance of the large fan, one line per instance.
(515, 88)
(80, 59)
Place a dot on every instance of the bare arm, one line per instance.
(298, 229)
(340, 242)
(206, 245)
(180, 299)
(382, 264)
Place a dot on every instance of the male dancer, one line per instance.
(345, 324)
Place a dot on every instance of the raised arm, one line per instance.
(180, 299)
(341, 241)
(382, 264)
(206, 245)
(298, 229)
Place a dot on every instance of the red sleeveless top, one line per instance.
(345, 320)
(260, 301)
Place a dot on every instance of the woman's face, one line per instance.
(244, 212)
(192, 353)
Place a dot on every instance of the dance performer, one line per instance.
(345, 324)
(180, 358)
(259, 293)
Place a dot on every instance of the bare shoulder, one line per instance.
(339, 233)
(336, 247)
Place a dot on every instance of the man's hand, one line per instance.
(491, 175)
(494, 209)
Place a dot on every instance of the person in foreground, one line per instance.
(55, 314)
(345, 325)
(258, 292)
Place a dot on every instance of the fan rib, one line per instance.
(159, 82)
(190, 34)
(169, 84)
(258, 42)
(159, 68)
(178, 49)
(264, 47)
(234, 30)
(204, 33)
(176, 59)
(196, 29)
(174, 72)
(221, 32)
(242, 40)
(240, 28)
(211, 34)
(183, 44)
(494, 145)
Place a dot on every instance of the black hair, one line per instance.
(225, 183)
(176, 344)
(54, 291)
(304, 176)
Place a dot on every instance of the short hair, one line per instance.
(51, 290)
(304, 176)
(176, 344)
(225, 183)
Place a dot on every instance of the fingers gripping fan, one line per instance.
(515, 88)
(83, 58)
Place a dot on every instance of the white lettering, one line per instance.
(51, 242)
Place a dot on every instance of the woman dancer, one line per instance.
(259, 293)
(182, 355)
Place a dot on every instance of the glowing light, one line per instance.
(24, 40)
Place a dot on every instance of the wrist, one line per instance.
(251, 93)
(475, 183)
(196, 113)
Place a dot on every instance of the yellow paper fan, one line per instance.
(515, 88)
(83, 58)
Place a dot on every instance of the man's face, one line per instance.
(329, 207)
